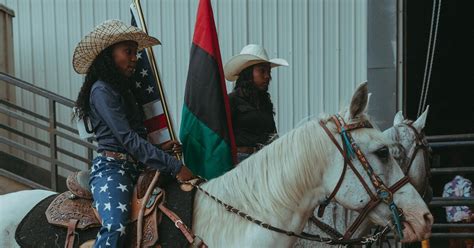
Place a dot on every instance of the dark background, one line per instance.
(451, 94)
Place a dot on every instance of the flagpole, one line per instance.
(156, 74)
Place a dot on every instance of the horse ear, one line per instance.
(419, 124)
(359, 101)
(399, 118)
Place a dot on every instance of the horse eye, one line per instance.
(383, 153)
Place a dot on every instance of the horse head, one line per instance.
(373, 173)
(414, 152)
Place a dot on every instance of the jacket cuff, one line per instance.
(176, 168)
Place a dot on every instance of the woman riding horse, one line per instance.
(108, 56)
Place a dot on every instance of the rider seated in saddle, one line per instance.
(108, 56)
(251, 107)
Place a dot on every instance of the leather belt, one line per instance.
(247, 149)
(118, 155)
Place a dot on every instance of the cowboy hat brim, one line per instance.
(239, 62)
(103, 36)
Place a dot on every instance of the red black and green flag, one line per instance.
(206, 126)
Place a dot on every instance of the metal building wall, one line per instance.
(325, 42)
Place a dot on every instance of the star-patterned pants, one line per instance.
(112, 182)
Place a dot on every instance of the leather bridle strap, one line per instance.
(419, 144)
(344, 131)
(371, 205)
(324, 204)
(383, 192)
(190, 237)
(71, 231)
(350, 231)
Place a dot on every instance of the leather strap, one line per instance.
(142, 208)
(178, 223)
(371, 205)
(323, 205)
(70, 236)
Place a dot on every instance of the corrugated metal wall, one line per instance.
(325, 42)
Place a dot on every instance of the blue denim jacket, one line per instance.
(117, 121)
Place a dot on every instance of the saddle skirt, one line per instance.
(74, 207)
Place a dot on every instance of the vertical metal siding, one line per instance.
(323, 40)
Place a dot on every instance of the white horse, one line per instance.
(413, 161)
(282, 184)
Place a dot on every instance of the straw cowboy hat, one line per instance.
(103, 36)
(250, 55)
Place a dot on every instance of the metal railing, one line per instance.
(440, 230)
(54, 128)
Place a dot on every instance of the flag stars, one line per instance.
(121, 230)
(109, 178)
(100, 174)
(122, 207)
(144, 73)
(122, 187)
(104, 188)
(121, 172)
(107, 206)
(149, 89)
(138, 84)
(139, 55)
(109, 226)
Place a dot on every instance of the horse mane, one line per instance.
(274, 179)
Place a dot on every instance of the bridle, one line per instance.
(420, 143)
(350, 150)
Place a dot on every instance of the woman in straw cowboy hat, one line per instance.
(107, 56)
(250, 103)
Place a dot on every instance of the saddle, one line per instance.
(73, 210)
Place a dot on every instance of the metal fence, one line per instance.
(439, 143)
(48, 123)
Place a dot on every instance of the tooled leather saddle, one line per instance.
(73, 210)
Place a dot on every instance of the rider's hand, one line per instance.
(173, 146)
(184, 174)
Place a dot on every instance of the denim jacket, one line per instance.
(117, 121)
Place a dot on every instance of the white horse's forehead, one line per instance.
(371, 139)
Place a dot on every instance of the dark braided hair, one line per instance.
(245, 87)
(103, 68)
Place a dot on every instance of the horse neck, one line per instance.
(282, 178)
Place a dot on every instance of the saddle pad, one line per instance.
(35, 231)
(181, 203)
(63, 209)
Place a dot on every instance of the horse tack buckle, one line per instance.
(178, 222)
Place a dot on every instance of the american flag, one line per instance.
(146, 93)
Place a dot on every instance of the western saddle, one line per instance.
(73, 210)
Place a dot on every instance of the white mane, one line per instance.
(273, 183)
(281, 170)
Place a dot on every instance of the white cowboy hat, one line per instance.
(250, 55)
(103, 36)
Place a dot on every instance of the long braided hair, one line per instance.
(103, 68)
(245, 87)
